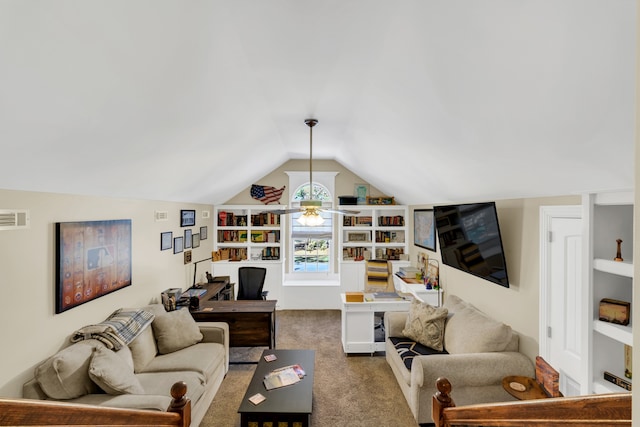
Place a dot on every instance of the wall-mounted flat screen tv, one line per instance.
(470, 240)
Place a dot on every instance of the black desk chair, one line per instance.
(250, 283)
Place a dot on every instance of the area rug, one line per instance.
(355, 390)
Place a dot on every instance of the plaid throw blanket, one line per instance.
(118, 330)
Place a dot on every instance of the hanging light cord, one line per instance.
(311, 123)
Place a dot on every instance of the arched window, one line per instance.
(312, 248)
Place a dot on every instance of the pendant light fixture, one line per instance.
(311, 216)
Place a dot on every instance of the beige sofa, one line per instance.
(478, 353)
(140, 375)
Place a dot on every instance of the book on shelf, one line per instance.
(283, 377)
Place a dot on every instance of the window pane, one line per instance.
(311, 255)
(312, 245)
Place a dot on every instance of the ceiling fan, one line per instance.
(311, 208)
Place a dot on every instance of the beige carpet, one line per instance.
(356, 390)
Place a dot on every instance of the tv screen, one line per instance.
(470, 240)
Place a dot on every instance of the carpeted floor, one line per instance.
(356, 390)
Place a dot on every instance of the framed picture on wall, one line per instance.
(203, 233)
(177, 245)
(187, 238)
(424, 230)
(166, 240)
(93, 259)
(187, 218)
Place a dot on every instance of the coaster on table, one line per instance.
(257, 398)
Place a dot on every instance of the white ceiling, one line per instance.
(429, 100)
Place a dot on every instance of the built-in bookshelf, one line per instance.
(609, 217)
(377, 232)
(248, 232)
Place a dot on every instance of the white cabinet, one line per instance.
(358, 323)
(608, 217)
(249, 232)
(429, 296)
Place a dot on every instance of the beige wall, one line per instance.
(29, 329)
(517, 305)
(345, 181)
(344, 186)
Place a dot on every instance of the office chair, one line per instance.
(378, 279)
(251, 281)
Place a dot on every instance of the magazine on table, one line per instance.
(284, 376)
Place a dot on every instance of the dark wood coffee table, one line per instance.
(291, 404)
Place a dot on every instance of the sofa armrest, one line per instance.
(216, 332)
(394, 322)
(469, 370)
(475, 378)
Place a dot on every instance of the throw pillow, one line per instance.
(471, 331)
(65, 374)
(425, 324)
(143, 349)
(112, 373)
(175, 330)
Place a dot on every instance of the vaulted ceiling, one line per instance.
(428, 100)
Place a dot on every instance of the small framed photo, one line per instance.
(187, 257)
(203, 233)
(166, 240)
(187, 238)
(187, 218)
(361, 191)
(177, 245)
(358, 237)
(195, 241)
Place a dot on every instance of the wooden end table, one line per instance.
(523, 388)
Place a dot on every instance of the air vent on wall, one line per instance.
(162, 215)
(206, 214)
(11, 219)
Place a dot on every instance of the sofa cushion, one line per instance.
(471, 331)
(65, 375)
(408, 349)
(175, 330)
(425, 324)
(204, 358)
(161, 382)
(112, 373)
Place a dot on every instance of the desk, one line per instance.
(358, 323)
(217, 290)
(416, 287)
(252, 323)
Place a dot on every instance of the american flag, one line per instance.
(266, 194)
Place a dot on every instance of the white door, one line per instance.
(562, 290)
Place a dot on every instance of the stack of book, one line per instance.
(408, 272)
